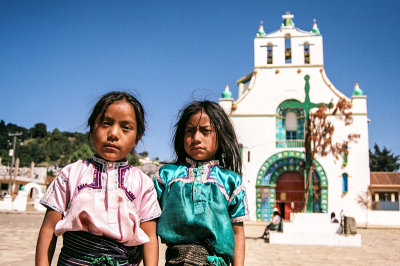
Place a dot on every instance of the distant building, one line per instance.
(269, 116)
(21, 176)
(385, 190)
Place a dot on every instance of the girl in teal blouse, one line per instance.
(202, 197)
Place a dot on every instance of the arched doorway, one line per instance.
(267, 181)
(289, 193)
(34, 193)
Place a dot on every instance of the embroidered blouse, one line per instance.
(199, 201)
(103, 198)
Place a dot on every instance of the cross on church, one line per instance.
(307, 105)
(288, 17)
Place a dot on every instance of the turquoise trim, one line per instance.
(268, 175)
(281, 141)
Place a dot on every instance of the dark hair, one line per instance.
(228, 148)
(333, 215)
(107, 99)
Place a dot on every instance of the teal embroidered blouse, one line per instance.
(199, 201)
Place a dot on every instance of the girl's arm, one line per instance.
(238, 231)
(47, 240)
(150, 249)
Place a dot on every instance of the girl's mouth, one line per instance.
(110, 146)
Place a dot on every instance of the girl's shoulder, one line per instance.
(227, 173)
(227, 177)
(75, 167)
(170, 171)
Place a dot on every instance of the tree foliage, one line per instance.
(319, 136)
(383, 160)
(364, 200)
(39, 131)
(49, 148)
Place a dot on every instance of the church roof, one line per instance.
(246, 78)
(288, 26)
(385, 178)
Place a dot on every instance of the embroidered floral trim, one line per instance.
(220, 187)
(189, 178)
(240, 219)
(182, 179)
(99, 167)
(98, 170)
(154, 216)
(237, 191)
(205, 169)
(51, 206)
(194, 163)
(63, 177)
(121, 181)
(104, 162)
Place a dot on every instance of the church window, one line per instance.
(290, 126)
(269, 54)
(248, 156)
(306, 53)
(345, 184)
(288, 49)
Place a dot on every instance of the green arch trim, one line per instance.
(268, 175)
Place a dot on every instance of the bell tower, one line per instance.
(288, 47)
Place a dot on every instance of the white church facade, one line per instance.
(271, 133)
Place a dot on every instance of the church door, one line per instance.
(290, 193)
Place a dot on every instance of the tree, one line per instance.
(144, 154)
(83, 152)
(383, 160)
(133, 158)
(364, 200)
(39, 131)
(319, 138)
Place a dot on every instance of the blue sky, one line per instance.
(59, 57)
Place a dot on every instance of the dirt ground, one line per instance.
(18, 235)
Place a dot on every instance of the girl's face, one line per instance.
(114, 136)
(200, 139)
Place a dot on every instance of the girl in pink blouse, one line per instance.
(104, 208)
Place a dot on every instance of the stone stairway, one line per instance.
(313, 229)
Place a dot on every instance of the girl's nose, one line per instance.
(113, 133)
(196, 135)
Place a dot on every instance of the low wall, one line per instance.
(385, 219)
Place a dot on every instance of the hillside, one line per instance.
(45, 148)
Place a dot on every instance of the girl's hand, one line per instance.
(238, 231)
(47, 240)
(150, 249)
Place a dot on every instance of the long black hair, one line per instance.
(228, 152)
(107, 99)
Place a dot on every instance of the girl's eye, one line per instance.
(126, 128)
(207, 131)
(105, 123)
(189, 131)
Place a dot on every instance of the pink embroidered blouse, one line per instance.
(103, 198)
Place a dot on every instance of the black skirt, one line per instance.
(82, 248)
(193, 254)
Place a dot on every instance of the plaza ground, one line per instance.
(18, 234)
